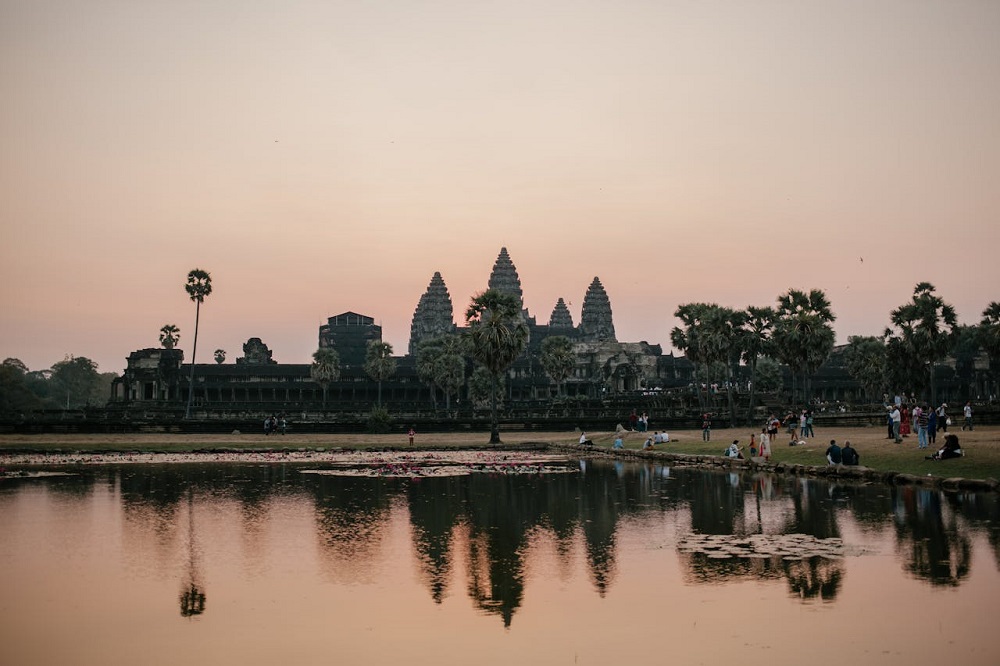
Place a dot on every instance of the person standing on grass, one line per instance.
(809, 423)
(967, 411)
(896, 420)
(922, 421)
(942, 417)
(765, 444)
(932, 426)
(706, 428)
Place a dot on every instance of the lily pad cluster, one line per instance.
(788, 547)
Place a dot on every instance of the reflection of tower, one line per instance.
(193, 597)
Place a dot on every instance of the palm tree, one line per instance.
(497, 335)
(379, 363)
(989, 337)
(558, 359)
(169, 336)
(865, 357)
(220, 356)
(449, 367)
(198, 287)
(757, 330)
(325, 368)
(721, 338)
(803, 335)
(921, 334)
(687, 340)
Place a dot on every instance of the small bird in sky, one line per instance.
(862, 259)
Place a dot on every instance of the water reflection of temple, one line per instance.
(487, 524)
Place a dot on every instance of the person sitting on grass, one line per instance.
(584, 441)
(834, 456)
(951, 449)
(734, 450)
(849, 455)
(648, 444)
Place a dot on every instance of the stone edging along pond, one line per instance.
(825, 471)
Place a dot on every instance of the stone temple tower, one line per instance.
(561, 319)
(504, 279)
(434, 315)
(596, 324)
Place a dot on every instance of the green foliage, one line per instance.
(76, 380)
(441, 364)
(379, 421)
(379, 363)
(198, 287)
(481, 388)
(989, 333)
(769, 376)
(558, 358)
(803, 335)
(16, 395)
(497, 335)
(325, 368)
(866, 358)
(922, 333)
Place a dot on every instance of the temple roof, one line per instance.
(504, 277)
(434, 314)
(561, 317)
(596, 322)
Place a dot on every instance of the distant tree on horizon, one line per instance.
(921, 334)
(558, 359)
(325, 368)
(803, 334)
(170, 335)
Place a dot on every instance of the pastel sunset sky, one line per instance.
(321, 156)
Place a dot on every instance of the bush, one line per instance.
(379, 421)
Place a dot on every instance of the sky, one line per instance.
(319, 156)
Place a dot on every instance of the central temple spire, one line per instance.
(504, 277)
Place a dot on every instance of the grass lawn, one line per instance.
(981, 461)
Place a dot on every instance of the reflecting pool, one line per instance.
(613, 562)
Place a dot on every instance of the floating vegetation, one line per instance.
(788, 547)
(439, 469)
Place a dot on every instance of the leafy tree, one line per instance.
(325, 368)
(803, 334)
(379, 363)
(687, 339)
(169, 336)
(441, 364)
(922, 333)
(989, 337)
(964, 350)
(769, 375)
(497, 335)
(76, 378)
(720, 340)
(756, 342)
(481, 389)
(15, 392)
(198, 287)
(220, 356)
(558, 359)
(866, 359)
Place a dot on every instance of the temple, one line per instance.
(257, 380)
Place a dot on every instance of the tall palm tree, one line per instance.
(757, 330)
(379, 363)
(803, 334)
(169, 336)
(497, 335)
(558, 359)
(449, 368)
(989, 338)
(687, 340)
(921, 334)
(198, 287)
(721, 339)
(325, 368)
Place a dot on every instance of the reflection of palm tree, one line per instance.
(192, 599)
